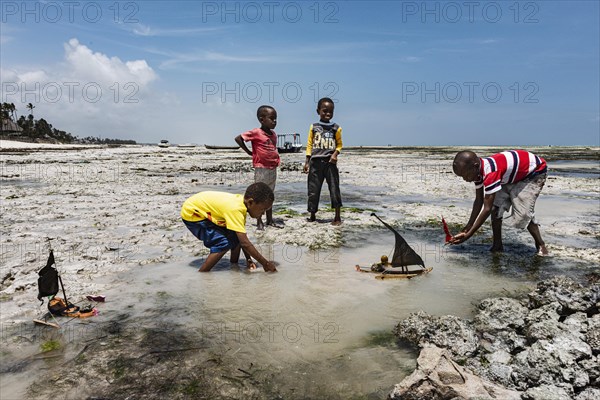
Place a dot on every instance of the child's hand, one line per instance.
(305, 169)
(270, 266)
(333, 159)
(459, 238)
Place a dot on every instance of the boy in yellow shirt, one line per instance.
(218, 219)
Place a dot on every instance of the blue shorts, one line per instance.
(216, 238)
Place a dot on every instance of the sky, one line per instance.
(406, 73)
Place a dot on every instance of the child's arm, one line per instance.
(309, 144)
(250, 251)
(240, 141)
(488, 203)
(333, 158)
(338, 146)
(477, 204)
(249, 261)
(305, 169)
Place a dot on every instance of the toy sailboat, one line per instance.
(404, 256)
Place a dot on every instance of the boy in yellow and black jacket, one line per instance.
(322, 149)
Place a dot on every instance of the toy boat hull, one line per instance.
(396, 274)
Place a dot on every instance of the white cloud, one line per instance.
(145, 30)
(109, 70)
(88, 93)
(487, 41)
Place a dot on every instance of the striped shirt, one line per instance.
(508, 167)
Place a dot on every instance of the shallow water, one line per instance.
(316, 322)
(322, 326)
(576, 168)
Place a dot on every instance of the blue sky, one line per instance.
(401, 72)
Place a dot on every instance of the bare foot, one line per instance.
(497, 249)
(275, 225)
(357, 267)
(542, 251)
(336, 222)
(260, 227)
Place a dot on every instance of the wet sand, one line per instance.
(112, 215)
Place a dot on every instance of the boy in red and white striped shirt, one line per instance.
(508, 179)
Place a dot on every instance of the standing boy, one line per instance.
(218, 219)
(322, 149)
(509, 179)
(265, 157)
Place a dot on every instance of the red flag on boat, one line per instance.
(446, 230)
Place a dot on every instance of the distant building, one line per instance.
(9, 127)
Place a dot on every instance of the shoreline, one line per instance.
(577, 152)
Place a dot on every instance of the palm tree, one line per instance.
(4, 108)
(30, 107)
(13, 110)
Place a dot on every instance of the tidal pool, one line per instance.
(321, 327)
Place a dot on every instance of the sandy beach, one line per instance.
(111, 211)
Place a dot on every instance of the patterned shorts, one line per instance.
(520, 198)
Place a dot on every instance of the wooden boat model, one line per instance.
(404, 256)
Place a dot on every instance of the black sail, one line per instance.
(404, 255)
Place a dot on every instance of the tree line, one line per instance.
(40, 129)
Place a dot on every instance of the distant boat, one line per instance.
(164, 143)
(189, 145)
(286, 143)
(289, 143)
(211, 147)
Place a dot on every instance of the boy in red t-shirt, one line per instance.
(508, 180)
(265, 157)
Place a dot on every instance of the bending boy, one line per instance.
(218, 219)
(510, 179)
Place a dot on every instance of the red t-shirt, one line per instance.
(508, 167)
(264, 148)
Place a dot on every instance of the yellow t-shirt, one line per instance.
(223, 209)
